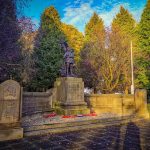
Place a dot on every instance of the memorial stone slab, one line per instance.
(10, 110)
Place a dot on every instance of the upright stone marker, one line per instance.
(10, 110)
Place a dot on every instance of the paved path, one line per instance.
(132, 136)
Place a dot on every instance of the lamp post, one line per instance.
(132, 75)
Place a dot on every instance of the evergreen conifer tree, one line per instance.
(124, 21)
(123, 26)
(90, 54)
(143, 61)
(95, 25)
(48, 52)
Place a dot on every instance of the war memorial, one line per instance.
(74, 75)
(65, 109)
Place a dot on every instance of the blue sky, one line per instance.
(78, 12)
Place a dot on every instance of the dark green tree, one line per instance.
(143, 61)
(48, 53)
(10, 53)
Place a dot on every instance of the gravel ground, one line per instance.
(40, 119)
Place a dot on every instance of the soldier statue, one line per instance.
(67, 68)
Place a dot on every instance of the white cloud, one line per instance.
(107, 10)
(137, 13)
(77, 2)
(36, 22)
(106, 3)
(78, 16)
(108, 16)
(69, 3)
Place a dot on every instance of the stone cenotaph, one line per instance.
(10, 110)
(69, 89)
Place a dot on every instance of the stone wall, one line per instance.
(141, 103)
(111, 103)
(119, 104)
(34, 102)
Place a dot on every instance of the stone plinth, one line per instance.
(70, 95)
(10, 110)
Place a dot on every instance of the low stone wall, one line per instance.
(34, 102)
(119, 104)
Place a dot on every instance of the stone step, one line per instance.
(74, 126)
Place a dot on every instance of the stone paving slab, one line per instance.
(129, 136)
(73, 126)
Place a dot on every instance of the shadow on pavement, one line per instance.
(132, 137)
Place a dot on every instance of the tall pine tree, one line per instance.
(94, 27)
(123, 26)
(90, 54)
(48, 52)
(143, 61)
(124, 22)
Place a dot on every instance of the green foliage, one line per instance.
(143, 61)
(94, 25)
(101, 50)
(48, 53)
(10, 53)
(86, 68)
(144, 31)
(124, 21)
(75, 39)
(50, 19)
(123, 31)
(90, 54)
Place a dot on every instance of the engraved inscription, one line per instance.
(10, 93)
(75, 92)
(8, 110)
